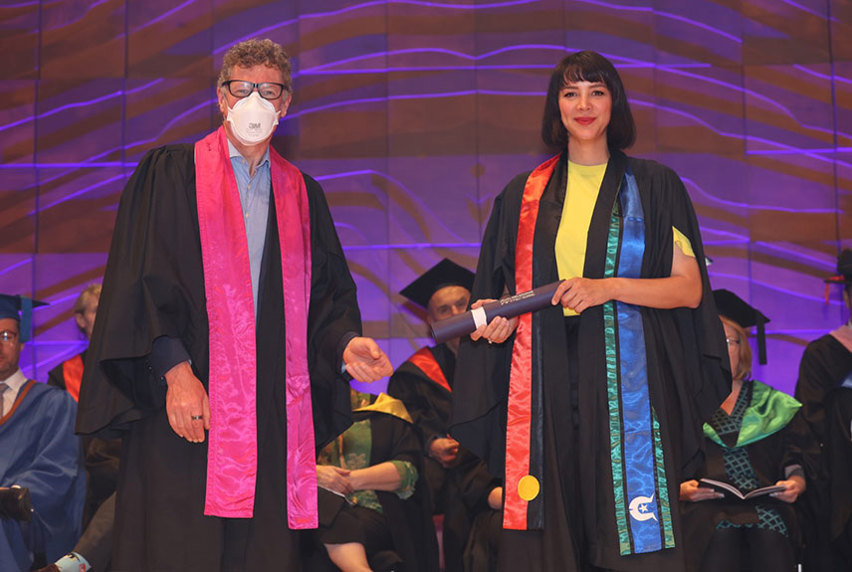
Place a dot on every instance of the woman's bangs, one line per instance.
(575, 73)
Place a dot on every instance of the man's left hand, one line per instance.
(365, 361)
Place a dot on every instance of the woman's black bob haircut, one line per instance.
(592, 67)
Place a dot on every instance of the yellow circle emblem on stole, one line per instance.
(528, 487)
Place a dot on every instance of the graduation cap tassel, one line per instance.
(26, 319)
(761, 342)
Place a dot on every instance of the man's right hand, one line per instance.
(186, 403)
(497, 330)
(444, 450)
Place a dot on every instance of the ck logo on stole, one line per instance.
(641, 509)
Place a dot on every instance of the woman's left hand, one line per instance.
(794, 486)
(581, 293)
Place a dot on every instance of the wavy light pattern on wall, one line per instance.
(414, 114)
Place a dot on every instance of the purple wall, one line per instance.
(414, 114)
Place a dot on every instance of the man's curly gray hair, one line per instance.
(255, 52)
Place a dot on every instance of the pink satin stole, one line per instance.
(232, 451)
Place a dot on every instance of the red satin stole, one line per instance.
(518, 418)
(72, 372)
(426, 362)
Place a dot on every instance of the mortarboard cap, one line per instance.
(445, 273)
(735, 308)
(19, 308)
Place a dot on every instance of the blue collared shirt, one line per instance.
(254, 198)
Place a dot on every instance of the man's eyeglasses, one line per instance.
(732, 341)
(241, 88)
(8, 336)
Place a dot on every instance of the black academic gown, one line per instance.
(102, 455)
(483, 541)
(770, 456)
(459, 493)
(687, 372)
(827, 407)
(154, 287)
(429, 403)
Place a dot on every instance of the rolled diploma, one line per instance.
(509, 307)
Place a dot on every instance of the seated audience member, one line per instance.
(825, 389)
(372, 515)
(94, 548)
(68, 374)
(756, 438)
(42, 486)
(459, 482)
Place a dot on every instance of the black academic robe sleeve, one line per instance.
(476, 483)
(825, 363)
(333, 314)
(479, 414)
(428, 403)
(695, 348)
(56, 378)
(154, 286)
(407, 385)
(838, 450)
(410, 523)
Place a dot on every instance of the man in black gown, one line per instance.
(227, 308)
(459, 483)
(824, 388)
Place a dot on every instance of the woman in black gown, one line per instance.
(592, 408)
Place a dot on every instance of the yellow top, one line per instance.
(581, 194)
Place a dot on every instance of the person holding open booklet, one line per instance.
(741, 507)
(727, 489)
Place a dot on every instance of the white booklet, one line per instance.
(729, 489)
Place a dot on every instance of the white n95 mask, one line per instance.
(253, 119)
